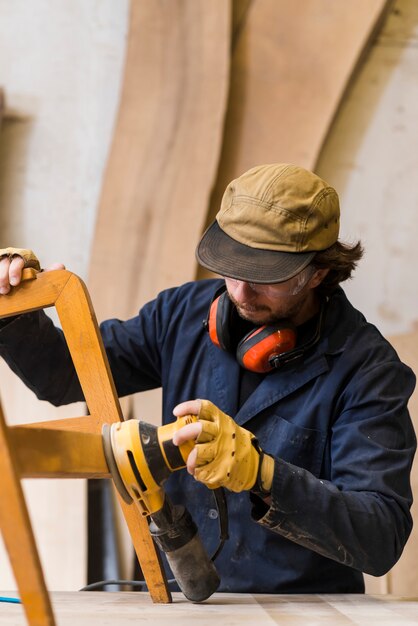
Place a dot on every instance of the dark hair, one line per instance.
(341, 260)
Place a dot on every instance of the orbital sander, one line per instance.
(140, 458)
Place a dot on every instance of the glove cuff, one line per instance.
(259, 488)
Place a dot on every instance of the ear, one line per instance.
(317, 278)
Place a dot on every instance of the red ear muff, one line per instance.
(211, 322)
(258, 349)
(261, 349)
(218, 321)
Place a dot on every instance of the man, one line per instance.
(317, 455)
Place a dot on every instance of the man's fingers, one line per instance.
(191, 462)
(188, 433)
(15, 271)
(55, 266)
(10, 273)
(4, 275)
(191, 407)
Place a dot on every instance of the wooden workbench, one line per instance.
(127, 608)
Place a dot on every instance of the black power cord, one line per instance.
(132, 583)
(221, 505)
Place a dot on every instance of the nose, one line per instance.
(243, 292)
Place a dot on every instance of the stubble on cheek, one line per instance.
(260, 314)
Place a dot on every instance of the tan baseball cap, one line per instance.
(272, 221)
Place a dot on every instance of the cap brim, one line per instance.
(221, 254)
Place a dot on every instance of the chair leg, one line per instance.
(19, 539)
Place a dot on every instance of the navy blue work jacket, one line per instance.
(336, 422)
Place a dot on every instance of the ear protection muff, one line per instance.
(220, 321)
(261, 349)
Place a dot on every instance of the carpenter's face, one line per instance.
(266, 304)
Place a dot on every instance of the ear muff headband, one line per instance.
(257, 350)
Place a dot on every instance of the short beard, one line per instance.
(271, 317)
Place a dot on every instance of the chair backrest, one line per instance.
(31, 450)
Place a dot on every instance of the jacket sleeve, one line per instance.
(36, 350)
(358, 516)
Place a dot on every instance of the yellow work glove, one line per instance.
(226, 454)
(27, 255)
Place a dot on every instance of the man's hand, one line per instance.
(12, 263)
(224, 454)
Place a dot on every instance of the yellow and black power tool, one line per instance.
(141, 457)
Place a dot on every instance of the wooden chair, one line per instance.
(65, 448)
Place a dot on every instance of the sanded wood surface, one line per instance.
(129, 609)
(47, 292)
(44, 453)
(83, 424)
(290, 66)
(165, 151)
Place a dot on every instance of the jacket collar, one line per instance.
(339, 322)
